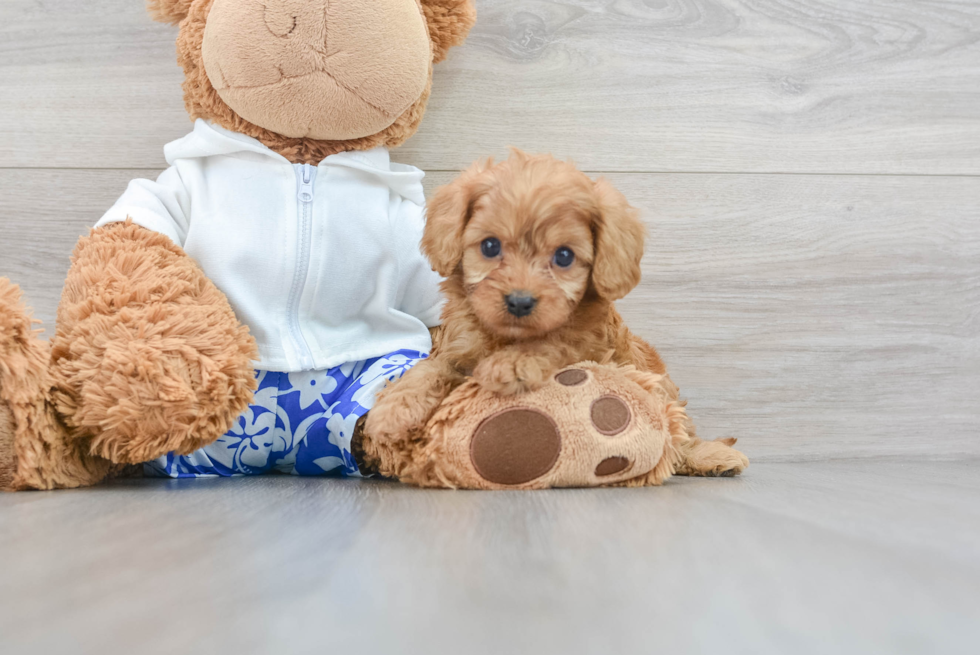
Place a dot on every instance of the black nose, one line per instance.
(521, 303)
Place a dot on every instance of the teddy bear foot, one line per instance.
(35, 451)
(591, 425)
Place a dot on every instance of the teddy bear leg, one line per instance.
(35, 451)
(590, 425)
(148, 353)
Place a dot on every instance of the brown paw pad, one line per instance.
(515, 446)
(611, 466)
(573, 377)
(610, 415)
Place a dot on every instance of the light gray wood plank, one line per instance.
(810, 316)
(815, 316)
(620, 85)
(42, 215)
(843, 557)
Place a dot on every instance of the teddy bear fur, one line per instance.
(148, 356)
(34, 453)
(460, 448)
(449, 21)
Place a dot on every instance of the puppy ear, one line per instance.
(446, 216)
(169, 11)
(449, 23)
(618, 243)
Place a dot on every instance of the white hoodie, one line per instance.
(321, 263)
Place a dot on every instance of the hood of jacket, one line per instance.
(210, 140)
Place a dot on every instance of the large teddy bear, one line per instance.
(281, 212)
(240, 314)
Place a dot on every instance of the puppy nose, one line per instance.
(520, 303)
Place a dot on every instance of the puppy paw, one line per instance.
(713, 459)
(507, 373)
(394, 417)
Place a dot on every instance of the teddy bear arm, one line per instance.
(148, 355)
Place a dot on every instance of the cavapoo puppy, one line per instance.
(534, 254)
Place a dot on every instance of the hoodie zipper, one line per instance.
(305, 176)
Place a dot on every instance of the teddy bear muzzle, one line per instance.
(318, 69)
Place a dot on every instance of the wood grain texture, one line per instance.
(829, 557)
(813, 308)
(826, 86)
(810, 316)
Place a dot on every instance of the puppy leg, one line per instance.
(692, 455)
(695, 457)
(406, 404)
(711, 458)
(512, 371)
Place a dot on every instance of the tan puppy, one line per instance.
(534, 253)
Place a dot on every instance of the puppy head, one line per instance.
(528, 238)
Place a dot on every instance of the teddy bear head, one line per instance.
(311, 78)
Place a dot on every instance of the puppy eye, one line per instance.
(564, 257)
(490, 247)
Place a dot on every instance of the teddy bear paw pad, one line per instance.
(515, 446)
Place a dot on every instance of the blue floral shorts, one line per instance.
(299, 423)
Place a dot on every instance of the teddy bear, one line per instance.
(240, 314)
(268, 282)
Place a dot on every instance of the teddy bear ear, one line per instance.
(169, 11)
(449, 23)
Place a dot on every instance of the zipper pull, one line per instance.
(306, 184)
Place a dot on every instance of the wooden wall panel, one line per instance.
(620, 85)
(810, 315)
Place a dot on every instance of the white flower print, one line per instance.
(340, 430)
(248, 442)
(372, 380)
(329, 463)
(312, 386)
(299, 423)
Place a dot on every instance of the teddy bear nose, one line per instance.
(520, 303)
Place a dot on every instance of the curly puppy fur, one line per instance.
(150, 355)
(530, 208)
(448, 21)
(34, 451)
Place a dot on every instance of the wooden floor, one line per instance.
(810, 174)
(822, 557)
